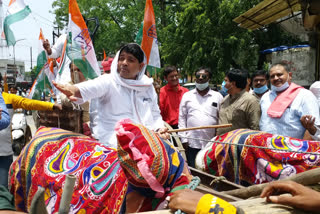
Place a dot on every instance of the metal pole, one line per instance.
(31, 57)
(14, 55)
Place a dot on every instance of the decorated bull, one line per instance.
(135, 177)
(252, 157)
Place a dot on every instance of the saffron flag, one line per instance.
(42, 57)
(17, 11)
(104, 55)
(79, 44)
(149, 39)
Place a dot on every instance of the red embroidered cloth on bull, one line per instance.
(247, 166)
(101, 185)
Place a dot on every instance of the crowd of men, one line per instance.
(126, 92)
(285, 109)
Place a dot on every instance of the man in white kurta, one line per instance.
(121, 94)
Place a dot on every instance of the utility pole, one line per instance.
(31, 58)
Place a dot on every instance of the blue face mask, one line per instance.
(260, 90)
(281, 88)
(223, 88)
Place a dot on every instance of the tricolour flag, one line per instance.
(42, 57)
(40, 85)
(79, 44)
(149, 40)
(17, 11)
(45, 75)
(48, 69)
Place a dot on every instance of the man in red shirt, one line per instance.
(170, 97)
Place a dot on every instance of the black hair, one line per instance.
(206, 70)
(284, 64)
(239, 76)
(135, 50)
(260, 73)
(248, 74)
(169, 69)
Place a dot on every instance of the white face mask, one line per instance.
(202, 86)
(280, 88)
(76, 77)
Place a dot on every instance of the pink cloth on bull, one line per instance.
(283, 100)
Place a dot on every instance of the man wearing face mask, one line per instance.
(199, 107)
(286, 103)
(260, 83)
(223, 90)
(239, 107)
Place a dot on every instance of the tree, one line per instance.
(192, 33)
(119, 21)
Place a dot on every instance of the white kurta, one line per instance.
(120, 99)
(116, 103)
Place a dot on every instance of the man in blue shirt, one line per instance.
(283, 106)
(5, 161)
(4, 116)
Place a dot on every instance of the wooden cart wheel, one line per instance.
(178, 141)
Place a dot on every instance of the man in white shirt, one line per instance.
(199, 107)
(124, 93)
(284, 106)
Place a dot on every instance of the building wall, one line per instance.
(302, 62)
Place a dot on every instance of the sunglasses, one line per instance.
(204, 76)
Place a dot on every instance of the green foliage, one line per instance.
(191, 33)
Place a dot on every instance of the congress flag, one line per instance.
(41, 84)
(17, 11)
(42, 57)
(79, 46)
(149, 39)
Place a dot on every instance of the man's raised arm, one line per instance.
(71, 91)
